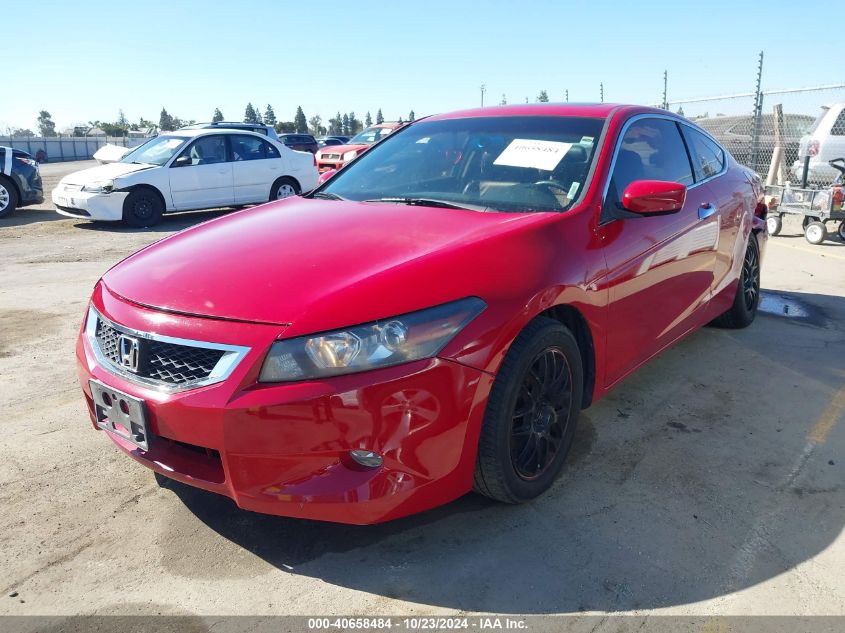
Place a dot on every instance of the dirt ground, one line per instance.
(709, 483)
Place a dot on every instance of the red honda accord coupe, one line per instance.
(430, 320)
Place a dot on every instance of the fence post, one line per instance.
(780, 143)
(758, 117)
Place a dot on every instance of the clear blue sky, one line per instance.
(85, 60)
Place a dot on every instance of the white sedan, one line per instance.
(186, 170)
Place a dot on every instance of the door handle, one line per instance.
(706, 210)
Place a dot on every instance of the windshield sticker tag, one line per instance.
(586, 140)
(534, 154)
(573, 190)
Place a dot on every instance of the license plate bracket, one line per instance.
(121, 414)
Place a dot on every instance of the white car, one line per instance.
(186, 170)
(824, 141)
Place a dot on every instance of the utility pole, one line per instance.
(483, 90)
(758, 115)
(567, 95)
(601, 91)
(665, 84)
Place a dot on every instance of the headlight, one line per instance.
(378, 344)
(350, 155)
(101, 186)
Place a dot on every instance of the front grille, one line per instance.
(158, 361)
(79, 212)
(331, 156)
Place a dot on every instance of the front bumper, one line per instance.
(282, 449)
(324, 165)
(75, 203)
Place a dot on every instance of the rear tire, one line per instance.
(747, 297)
(8, 198)
(815, 232)
(142, 208)
(283, 188)
(531, 414)
(774, 224)
(841, 230)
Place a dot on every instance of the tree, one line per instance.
(354, 124)
(22, 132)
(269, 116)
(336, 125)
(218, 116)
(400, 121)
(379, 117)
(504, 100)
(346, 124)
(285, 127)
(45, 124)
(368, 121)
(121, 119)
(249, 114)
(300, 121)
(315, 125)
(411, 116)
(166, 122)
(543, 97)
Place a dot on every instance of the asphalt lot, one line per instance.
(710, 483)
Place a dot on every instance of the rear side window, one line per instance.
(652, 149)
(708, 159)
(252, 148)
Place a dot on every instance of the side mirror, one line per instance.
(182, 161)
(654, 197)
(326, 175)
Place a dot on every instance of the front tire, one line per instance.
(815, 232)
(8, 198)
(284, 188)
(774, 224)
(142, 208)
(531, 414)
(747, 297)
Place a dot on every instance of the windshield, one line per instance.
(370, 136)
(156, 151)
(493, 163)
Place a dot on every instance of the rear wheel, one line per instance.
(284, 188)
(747, 297)
(774, 223)
(142, 208)
(531, 414)
(8, 198)
(815, 232)
(841, 230)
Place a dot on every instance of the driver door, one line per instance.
(201, 177)
(660, 268)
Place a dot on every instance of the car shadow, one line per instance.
(30, 215)
(170, 222)
(693, 479)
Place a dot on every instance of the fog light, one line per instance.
(369, 459)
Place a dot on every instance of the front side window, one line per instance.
(652, 149)
(156, 151)
(207, 150)
(510, 164)
(708, 158)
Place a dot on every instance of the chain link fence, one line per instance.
(63, 148)
(777, 133)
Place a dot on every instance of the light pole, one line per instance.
(483, 90)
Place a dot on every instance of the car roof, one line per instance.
(596, 110)
(186, 133)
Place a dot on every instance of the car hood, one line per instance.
(109, 171)
(328, 263)
(340, 149)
